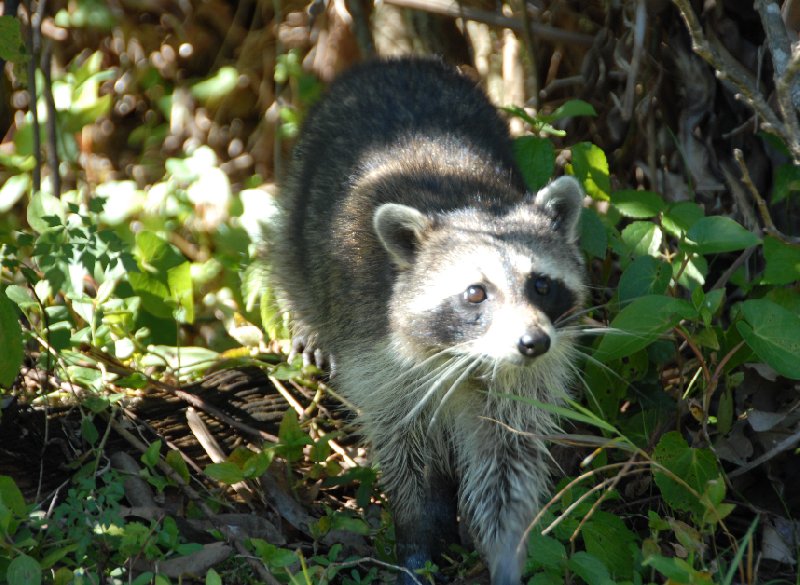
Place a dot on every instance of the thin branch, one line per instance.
(451, 8)
(777, 39)
(32, 43)
(52, 135)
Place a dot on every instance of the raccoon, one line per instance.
(409, 249)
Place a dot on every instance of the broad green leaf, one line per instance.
(536, 159)
(590, 569)
(178, 463)
(13, 189)
(11, 46)
(12, 353)
(786, 182)
(179, 279)
(42, 206)
(570, 109)
(696, 467)
(151, 455)
(675, 569)
(590, 167)
(608, 539)
(638, 204)
(292, 437)
(680, 217)
(640, 323)
(545, 552)
(594, 237)
(717, 234)
(642, 238)
(213, 578)
(773, 333)
(24, 570)
(783, 262)
(225, 472)
(644, 276)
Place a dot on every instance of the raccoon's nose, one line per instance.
(534, 343)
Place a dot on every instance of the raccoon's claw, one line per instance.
(312, 356)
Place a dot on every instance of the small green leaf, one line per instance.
(786, 182)
(640, 323)
(680, 217)
(594, 237)
(13, 189)
(225, 472)
(150, 456)
(24, 570)
(783, 262)
(11, 46)
(274, 557)
(12, 354)
(590, 167)
(213, 578)
(42, 209)
(536, 159)
(177, 462)
(638, 204)
(718, 234)
(217, 86)
(292, 437)
(569, 109)
(774, 334)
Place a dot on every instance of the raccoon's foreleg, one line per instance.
(423, 500)
(505, 475)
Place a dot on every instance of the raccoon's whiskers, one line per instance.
(441, 374)
(467, 371)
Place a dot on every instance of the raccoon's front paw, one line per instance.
(312, 355)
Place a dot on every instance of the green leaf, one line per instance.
(696, 467)
(590, 167)
(274, 557)
(12, 354)
(594, 237)
(638, 204)
(213, 578)
(773, 333)
(150, 456)
(590, 569)
(225, 472)
(786, 182)
(292, 437)
(536, 159)
(13, 189)
(680, 217)
(24, 570)
(608, 539)
(11, 46)
(640, 323)
(179, 279)
(42, 206)
(717, 234)
(783, 262)
(644, 276)
(642, 238)
(545, 552)
(569, 109)
(217, 86)
(178, 463)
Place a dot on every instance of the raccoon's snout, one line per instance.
(534, 343)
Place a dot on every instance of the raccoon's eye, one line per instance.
(541, 285)
(475, 294)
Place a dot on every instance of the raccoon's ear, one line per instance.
(400, 229)
(563, 198)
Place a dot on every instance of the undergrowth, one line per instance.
(110, 291)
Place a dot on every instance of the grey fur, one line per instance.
(403, 194)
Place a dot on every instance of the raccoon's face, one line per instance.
(487, 286)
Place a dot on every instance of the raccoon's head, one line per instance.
(486, 283)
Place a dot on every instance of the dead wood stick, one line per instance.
(452, 9)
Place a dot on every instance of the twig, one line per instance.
(784, 445)
(32, 42)
(780, 47)
(451, 8)
(362, 29)
(763, 209)
(729, 69)
(52, 136)
(193, 495)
